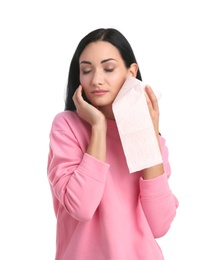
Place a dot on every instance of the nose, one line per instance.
(97, 79)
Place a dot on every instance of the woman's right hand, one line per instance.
(86, 111)
(97, 120)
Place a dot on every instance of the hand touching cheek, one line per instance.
(86, 111)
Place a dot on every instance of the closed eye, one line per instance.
(109, 70)
(84, 72)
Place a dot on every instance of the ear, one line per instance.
(133, 69)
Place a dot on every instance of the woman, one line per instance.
(103, 212)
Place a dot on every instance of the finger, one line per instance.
(149, 103)
(152, 97)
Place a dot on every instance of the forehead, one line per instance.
(99, 50)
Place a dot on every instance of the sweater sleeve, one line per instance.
(158, 202)
(77, 179)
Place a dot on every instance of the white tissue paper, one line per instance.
(135, 126)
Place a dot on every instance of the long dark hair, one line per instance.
(110, 35)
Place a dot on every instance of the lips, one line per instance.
(99, 92)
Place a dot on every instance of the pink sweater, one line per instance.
(103, 212)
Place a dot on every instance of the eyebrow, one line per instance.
(103, 61)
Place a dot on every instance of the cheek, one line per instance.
(119, 82)
(84, 83)
(83, 80)
(85, 89)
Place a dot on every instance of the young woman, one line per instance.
(102, 211)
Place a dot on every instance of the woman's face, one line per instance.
(102, 73)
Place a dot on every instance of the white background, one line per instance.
(176, 47)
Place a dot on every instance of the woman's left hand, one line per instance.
(153, 107)
(152, 101)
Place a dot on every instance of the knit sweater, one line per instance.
(103, 212)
